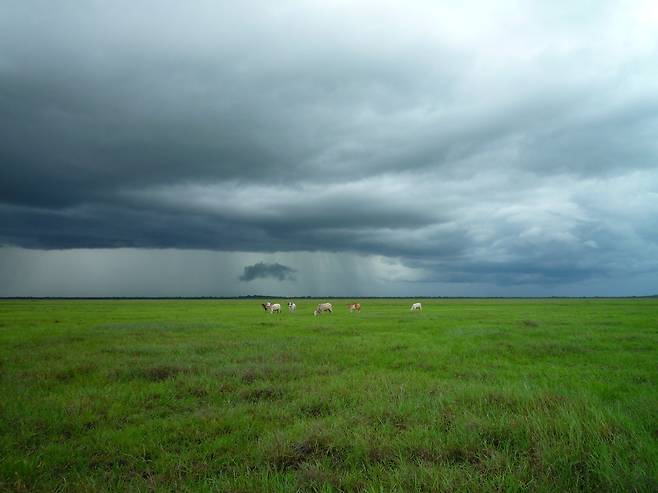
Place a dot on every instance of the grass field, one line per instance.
(469, 395)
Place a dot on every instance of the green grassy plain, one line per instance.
(469, 395)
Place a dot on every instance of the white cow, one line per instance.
(291, 306)
(416, 306)
(323, 307)
(271, 307)
(275, 307)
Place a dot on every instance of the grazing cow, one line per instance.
(291, 306)
(416, 306)
(271, 307)
(275, 307)
(354, 307)
(323, 307)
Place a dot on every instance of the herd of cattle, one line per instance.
(323, 307)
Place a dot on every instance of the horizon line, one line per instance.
(258, 296)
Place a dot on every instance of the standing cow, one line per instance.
(292, 306)
(416, 306)
(354, 307)
(323, 307)
(271, 307)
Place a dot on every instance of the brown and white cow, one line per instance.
(354, 307)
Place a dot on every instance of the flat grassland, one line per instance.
(217, 395)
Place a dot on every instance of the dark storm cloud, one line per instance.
(477, 142)
(261, 270)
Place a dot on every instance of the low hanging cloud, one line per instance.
(261, 270)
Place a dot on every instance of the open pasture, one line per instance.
(210, 395)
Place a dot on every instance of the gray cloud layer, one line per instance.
(262, 270)
(509, 143)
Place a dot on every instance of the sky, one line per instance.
(328, 148)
